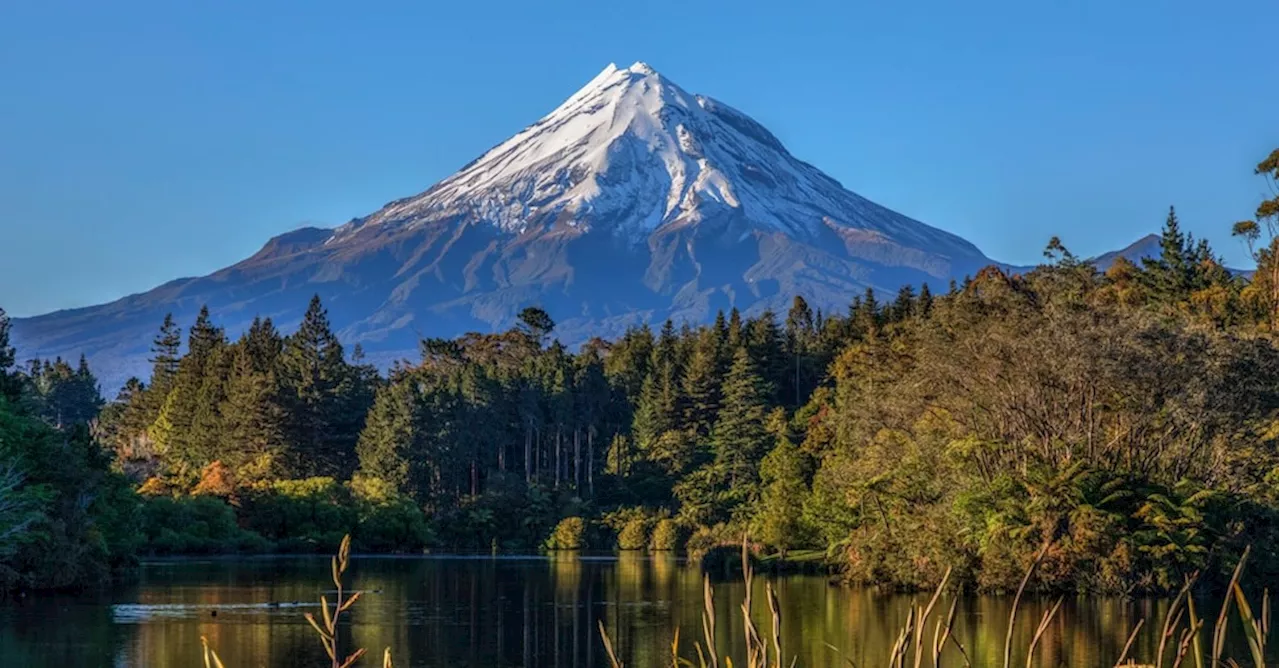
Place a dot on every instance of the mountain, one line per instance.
(633, 201)
(1146, 247)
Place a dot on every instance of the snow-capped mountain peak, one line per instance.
(631, 152)
(631, 202)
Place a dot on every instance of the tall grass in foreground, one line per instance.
(914, 646)
(922, 638)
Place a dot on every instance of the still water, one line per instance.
(473, 612)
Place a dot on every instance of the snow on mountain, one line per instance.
(633, 201)
(632, 152)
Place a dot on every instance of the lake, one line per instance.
(486, 611)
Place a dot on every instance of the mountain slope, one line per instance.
(633, 201)
(1146, 247)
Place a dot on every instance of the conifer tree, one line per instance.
(10, 384)
(188, 441)
(627, 362)
(391, 444)
(252, 418)
(165, 353)
(733, 333)
(701, 385)
(903, 304)
(801, 348)
(318, 393)
(263, 345)
(779, 521)
(1171, 276)
(740, 438)
(924, 303)
(766, 348)
(658, 409)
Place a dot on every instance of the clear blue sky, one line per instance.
(143, 141)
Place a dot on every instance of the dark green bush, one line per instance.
(309, 515)
(194, 525)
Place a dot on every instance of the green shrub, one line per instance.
(194, 525)
(666, 535)
(569, 534)
(388, 522)
(306, 515)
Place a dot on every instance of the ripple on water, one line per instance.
(140, 613)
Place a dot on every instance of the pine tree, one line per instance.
(801, 347)
(865, 320)
(767, 349)
(391, 441)
(924, 304)
(10, 384)
(779, 521)
(1170, 278)
(206, 423)
(263, 345)
(189, 442)
(733, 333)
(903, 305)
(701, 385)
(320, 394)
(740, 437)
(658, 409)
(252, 418)
(594, 400)
(627, 363)
(165, 355)
(62, 396)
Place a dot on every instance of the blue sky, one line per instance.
(143, 141)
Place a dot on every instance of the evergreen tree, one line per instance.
(263, 345)
(1171, 277)
(594, 399)
(740, 438)
(924, 304)
(10, 384)
(189, 442)
(767, 349)
(801, 349)
(866, 317)
(658, 409)
(903, 305)
(733, 333)
(701, 385)
(627, 364)
(391, 447)
(207, 428)
(166, 351)
(322, 399)
(253, 420)
(779, 521)
(63, 397)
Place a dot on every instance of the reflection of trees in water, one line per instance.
(487, 612)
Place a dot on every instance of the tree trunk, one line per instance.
(528, 453)
(577, 460)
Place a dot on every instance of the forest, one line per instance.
(1126, 417)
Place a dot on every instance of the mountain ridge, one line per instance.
(633, 201)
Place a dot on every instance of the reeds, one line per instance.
(913, 648)
(328, 628)
(909, 648)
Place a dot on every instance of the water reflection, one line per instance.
(515, 612)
